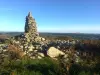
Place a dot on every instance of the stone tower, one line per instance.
(30, 28)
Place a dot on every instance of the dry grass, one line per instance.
(15, 51)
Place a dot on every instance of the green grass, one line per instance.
(45, 66)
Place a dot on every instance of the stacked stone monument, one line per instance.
(30, 28)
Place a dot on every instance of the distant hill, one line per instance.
(11, 33)
(74, 35)
(4, 36)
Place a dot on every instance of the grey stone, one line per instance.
(53, 52)
(30, 28)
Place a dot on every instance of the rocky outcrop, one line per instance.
(53, 52)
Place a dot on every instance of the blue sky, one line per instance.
(64, 16)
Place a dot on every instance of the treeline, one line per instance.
(58, 37)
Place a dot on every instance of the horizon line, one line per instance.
(49, 32)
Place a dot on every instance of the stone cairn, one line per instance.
(30, 28)
(30, 37)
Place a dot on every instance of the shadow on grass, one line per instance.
(43, 68)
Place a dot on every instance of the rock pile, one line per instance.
(31, 44)
(30, 28)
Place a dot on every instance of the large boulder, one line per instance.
(53, 52)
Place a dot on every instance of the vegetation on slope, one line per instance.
(45, 66)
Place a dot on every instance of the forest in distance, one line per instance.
(73, 35)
